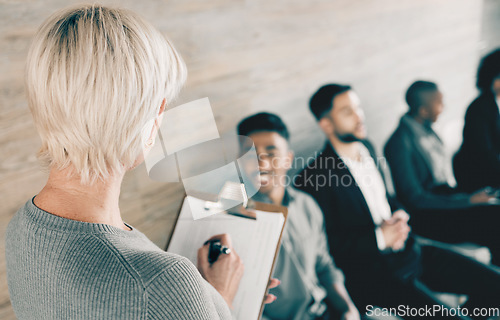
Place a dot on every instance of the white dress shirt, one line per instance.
(369, 180)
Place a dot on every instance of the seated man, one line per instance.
(310, 279)
(368, 232)
(422, 175)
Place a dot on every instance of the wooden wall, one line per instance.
(490, 26)
(250, 56)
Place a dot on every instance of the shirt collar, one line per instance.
(417, 127)
(288, 198)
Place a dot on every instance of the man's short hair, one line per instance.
(488, 70)
(94, 77)
(322, 101)
(263, 121)
(415, 94)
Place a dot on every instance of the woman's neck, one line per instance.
(65, 196)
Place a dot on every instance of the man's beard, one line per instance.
(346, 137)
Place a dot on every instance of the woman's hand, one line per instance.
(225, 273)
(270, 298)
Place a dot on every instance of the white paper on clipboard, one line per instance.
(255, 241)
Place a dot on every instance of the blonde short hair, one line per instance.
(94, 77)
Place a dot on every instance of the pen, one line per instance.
(216, 248)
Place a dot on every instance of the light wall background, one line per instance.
(250, 56)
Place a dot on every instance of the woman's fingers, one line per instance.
(203, 259)
(224, 238)
(273, 283)
(270, 298)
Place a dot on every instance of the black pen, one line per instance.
(216, 248)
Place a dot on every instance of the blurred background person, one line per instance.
(477, 163)
(368, 230)
(423, 175)
(313, 287)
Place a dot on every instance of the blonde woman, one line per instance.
(94, 77)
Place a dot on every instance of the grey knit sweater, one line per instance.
(65, 269)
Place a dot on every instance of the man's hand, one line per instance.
(224, 274)
(351, 314)
(483, 196)
(396, 230)
(341, 301)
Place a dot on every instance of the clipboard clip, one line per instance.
(230, 194)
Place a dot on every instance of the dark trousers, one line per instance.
(443, 271)
(478, 225)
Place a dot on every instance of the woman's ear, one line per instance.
(162, 107)
(159, 118)
(154, 124)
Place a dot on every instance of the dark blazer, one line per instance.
(413, 178)
(348, 221)
(477, 163)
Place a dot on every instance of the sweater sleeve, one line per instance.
(181, 293)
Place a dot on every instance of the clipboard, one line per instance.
(258, 207)
(278, 209)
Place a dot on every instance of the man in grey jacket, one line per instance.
(423, 178)
(312, 286)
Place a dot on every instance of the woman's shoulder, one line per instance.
(130, 252)
(100, 256)
(174, 268)
(180, 292)
(145, 260)
(152, 265)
